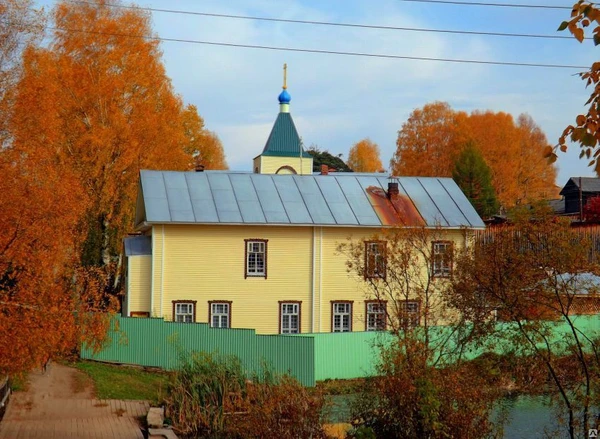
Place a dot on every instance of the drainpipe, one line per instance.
(162, 270)
(312, 301)
(128, 286)
(320, 277)
(152, 273)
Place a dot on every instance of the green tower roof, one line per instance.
(284, 140)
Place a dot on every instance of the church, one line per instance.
(258, 249)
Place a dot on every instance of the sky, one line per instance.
(338, 100)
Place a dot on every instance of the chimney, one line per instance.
(199, 167)
(393, 191)
(324, 170)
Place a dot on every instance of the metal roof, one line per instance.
(588, 184)
(351, 199)
(284, 140)
(137, 246)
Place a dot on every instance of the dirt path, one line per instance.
(58, 404)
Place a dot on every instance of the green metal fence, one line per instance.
(355, 354)
(308, 357)
(156, 343)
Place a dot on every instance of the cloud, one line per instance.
(338, 100)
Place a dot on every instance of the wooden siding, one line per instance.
(270, 164)
(207, 263)
(339, 285)
(139, 282)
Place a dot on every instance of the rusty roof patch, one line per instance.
(397, 211)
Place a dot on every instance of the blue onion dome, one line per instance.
(284, 97)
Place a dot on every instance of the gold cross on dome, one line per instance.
(284, 76)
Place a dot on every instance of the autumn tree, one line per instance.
(364, 157)
(326, 158)
(472, 175)
(86, 113)
(591, 210)
(20, 26)
(531, 276)
(203, 145)
(426, 143)
(497, 137)
(535, 178)
(38, 228)
(104, 107)
(432, 138)
(586, 130)
(421, 388)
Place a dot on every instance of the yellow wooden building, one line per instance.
(259, 250)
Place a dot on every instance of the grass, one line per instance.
(124, 382)
(19, 383)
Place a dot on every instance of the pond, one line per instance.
(527, 416)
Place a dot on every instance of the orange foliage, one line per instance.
(40, 312)
(535, 176)
(364, 157)
(425, 145)
(586, 130)
(432, 138)
(83, 115)
(20, 25)
(202, 144)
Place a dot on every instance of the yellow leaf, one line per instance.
(580, 120)
(578, 34)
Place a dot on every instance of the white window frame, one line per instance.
(341, 316)
(223, 315)
(287, 312)
(442, 259)
(376, 315)
(256, 249)
(184, 312)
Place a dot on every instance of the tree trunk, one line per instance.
(105, 242)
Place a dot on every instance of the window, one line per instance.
(375, 259)
(184, 311)
(289, 317)
(410, 314)
(376, 315)
(256, 258)
(442, 259)
(220, 314)
(341, 316)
